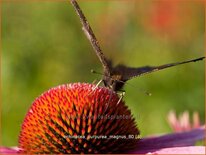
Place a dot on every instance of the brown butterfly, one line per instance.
(115, 77)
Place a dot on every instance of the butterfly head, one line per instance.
(113, 82)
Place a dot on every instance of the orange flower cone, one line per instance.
(78, 118)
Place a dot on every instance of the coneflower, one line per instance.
(78, 118)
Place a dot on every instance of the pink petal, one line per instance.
(182, 139)
(173, 122)
(9, 150)
(182, 150)
(196, 120)
(185, 121)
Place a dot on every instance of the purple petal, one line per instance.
(154, 144)
(9, 150)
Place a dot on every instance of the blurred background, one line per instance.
(43, 46)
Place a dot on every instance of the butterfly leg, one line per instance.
(95, 81)
(100, 81)
(94, 88)
(107, 104)
(121, 94)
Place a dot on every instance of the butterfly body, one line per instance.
(115, 77)
(114, 82)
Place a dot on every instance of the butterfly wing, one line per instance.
(92, 38)
(131, 72)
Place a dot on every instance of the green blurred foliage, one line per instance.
(43, 46)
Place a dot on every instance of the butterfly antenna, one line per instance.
(90, 35)
(95, 72)
(140, 89)
(126, 83)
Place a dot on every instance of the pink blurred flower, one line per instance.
(182, 123)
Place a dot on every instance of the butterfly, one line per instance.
(115, 77)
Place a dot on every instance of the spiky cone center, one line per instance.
(78, 118)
